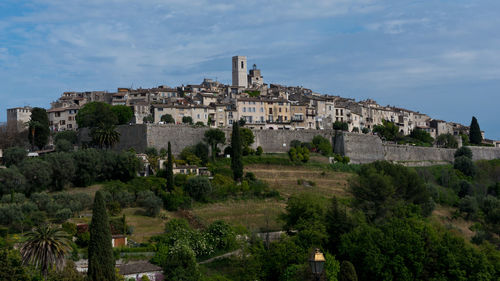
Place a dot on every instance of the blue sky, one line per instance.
(437, 57)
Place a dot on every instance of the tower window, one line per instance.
(242, 65)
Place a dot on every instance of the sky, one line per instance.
(438, 57)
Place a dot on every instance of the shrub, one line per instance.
(322, 145)
(63, 214)
(299, 154)
(259, 151)
(63, 145)
(198, 188)
(465, 165)
(463, 151)
(150, 202)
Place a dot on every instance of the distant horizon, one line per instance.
(440, 58)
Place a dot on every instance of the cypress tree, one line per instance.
(101, 260)
(347, 272)
(39, 127)
(236, 162)
(475, 136)
(170, 169)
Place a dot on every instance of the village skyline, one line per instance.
(438, 58)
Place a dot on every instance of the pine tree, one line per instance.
(347, 272)
(170, 169)
(475, 136)
(236, 162)
(101, 260)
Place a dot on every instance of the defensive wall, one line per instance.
(360, 148)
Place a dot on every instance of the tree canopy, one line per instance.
(38, 127)
(475, 136)
(123, 113)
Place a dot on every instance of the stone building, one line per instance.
(240, 78)
(18, 117)
(255, 78)
(63, 118)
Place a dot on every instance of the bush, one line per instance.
(299, 154)
(198, 188)
(63, 145)
(14, 156)
(150, 202)
(465, 165)
(63, 214)
(259, 151)
(322, 145)
(463, 151)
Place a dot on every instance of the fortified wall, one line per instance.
(360, 148)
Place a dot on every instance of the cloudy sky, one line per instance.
(438, 57)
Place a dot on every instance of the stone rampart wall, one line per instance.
(360, 148)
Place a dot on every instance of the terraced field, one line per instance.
(285, 179)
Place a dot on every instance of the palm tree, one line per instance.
(105, 136)
(46, 246)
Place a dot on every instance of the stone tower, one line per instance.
(240, 78)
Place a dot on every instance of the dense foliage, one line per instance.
(475, 136)
(38, 127)
(236, 153)
(101, 260)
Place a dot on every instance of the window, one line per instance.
(58, 114)
(280, 109)
(198, 116)
(341, 112)
(70, 126)
(270, 111)
(336, 112)
(261, 109)
(160, 109)
(242, 65)
(230, 122)
(244, 109)
(262, 119)
(286, 118)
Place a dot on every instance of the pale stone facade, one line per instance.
(240, 78)
(18, 117)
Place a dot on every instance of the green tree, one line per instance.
(105, 136)
(365, 130)
(14, 156)
(95, 114)
(68, 135)
(215, 137)
(170, 169)
(38, 174)
(341, 126)
(201, 151)
(69, 273)
(38, 127)
(337, 223)
(167, 118)
(63, 169)
(198, 188)
(46, 246)
(247, 137)
(11, 265)
(463, 151)
(180, 264)
(347, 272)
(388, 131)
(187, 120)
(101, 260)
(63, 145)
(475, 136)
(447, 141)
(322, 145)
(332, 267)
(123, 113)
(465, 165)
(421, 135)
(236, 160)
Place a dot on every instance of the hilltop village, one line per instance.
(262, 106)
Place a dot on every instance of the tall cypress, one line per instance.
(475, 136)
(236, 161)
(101, 260)
(170, 169)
